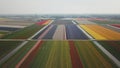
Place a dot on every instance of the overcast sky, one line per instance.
(59, 6)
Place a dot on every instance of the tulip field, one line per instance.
(23, 33)
(116, 25)
(101, 33)
(113, 47)
(60, 43)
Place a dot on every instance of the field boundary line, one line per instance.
(26, 56)
(89, 36)
(12, 52)
(40, 30)
(45, 32)
(109, 55)
(20, 46)
(74, 23)
(116, 61)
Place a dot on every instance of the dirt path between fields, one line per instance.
(60, 33)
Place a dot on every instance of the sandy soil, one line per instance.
(20, 23)
(15, 22)
(59, 33)
(12, 26)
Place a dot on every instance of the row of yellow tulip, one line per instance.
(101, 33)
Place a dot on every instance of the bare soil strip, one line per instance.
(12, 26)
(20, 46)
(59, 33)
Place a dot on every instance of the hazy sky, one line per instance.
(59, 6)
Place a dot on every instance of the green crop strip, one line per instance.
(104, 55)
(18, 55)
(24, 33)
(90, 56)
(7, 46)
(53, 54)
(111, 48)
(3, 32)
